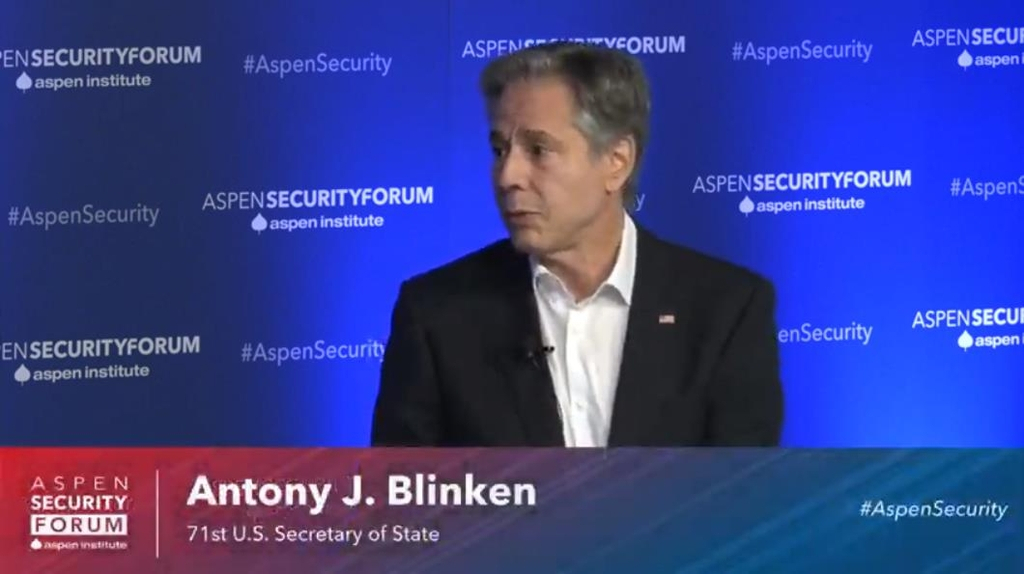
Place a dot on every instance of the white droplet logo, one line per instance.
(23, 82)
(36, 544)
(966, 341)
(746, 206)
(22, 375)
(259, 224)
(965, 60)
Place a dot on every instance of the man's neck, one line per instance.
(587, 265)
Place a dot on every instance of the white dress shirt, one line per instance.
(587, 337)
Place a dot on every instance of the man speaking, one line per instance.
(581, 329)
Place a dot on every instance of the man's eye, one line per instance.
(538, 150)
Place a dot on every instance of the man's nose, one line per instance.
(511, 170)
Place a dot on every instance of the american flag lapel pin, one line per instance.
(667, 319)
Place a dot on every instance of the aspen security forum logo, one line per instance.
(979, 328)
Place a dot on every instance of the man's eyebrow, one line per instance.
(528, 132)
(528, 135)
(537, 135)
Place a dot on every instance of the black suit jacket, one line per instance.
(457, 369)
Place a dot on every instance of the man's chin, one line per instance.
(527, 241)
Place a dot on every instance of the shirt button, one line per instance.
(577, 405)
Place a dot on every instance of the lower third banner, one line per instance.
(517, 510)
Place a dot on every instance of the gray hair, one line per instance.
(610, 88)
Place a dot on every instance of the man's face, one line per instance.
(549, 187)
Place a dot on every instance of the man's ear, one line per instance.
(620, 159)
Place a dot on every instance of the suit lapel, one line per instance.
(654, 348)
(528, 383)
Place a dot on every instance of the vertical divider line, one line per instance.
(157, 513)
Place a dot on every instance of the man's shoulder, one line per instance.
(485, 269)
(707, 271)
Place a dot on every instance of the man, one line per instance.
(582, 328)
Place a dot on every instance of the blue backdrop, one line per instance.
(209, 208)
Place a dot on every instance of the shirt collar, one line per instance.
(620, 280)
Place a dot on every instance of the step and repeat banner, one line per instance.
(209, 207)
